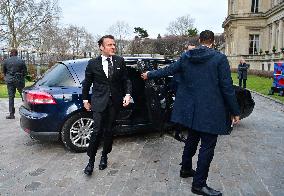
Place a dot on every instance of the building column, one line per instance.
(280, 35)
(273, 36)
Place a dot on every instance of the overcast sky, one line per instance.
(152, 15)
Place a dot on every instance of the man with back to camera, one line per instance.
(111, 90)
(14, 70)
(204, 98)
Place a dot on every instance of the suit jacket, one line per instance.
(14, 70)
(117, 86)
(205, 93)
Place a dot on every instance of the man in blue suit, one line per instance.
(205, 103)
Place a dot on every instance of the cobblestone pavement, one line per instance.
(248, 162)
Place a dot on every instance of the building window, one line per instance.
(253, 44)
(254, 6)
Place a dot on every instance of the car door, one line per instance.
(156, 97)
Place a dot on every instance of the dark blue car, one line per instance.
(53, 107)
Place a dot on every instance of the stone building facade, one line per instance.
(254, 30)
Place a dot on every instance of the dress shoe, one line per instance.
(205, 190)
(185, 173)
(11, 116)
(103, 163)
(89, 169)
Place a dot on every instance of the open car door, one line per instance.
(156, 104)
(155, 92)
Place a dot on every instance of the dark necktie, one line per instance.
(110, 68)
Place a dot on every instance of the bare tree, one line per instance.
(181, 25)
(76, 37)
(56, 44)
(219, 41)
(89, 43)
(21, 19)
(135, 46)
(121, 31)
(173, 46)
(46, 38)
(61, 45)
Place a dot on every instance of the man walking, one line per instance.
(204, 98)
(111, 90)
(14, 70)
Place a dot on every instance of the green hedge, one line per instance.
(260, 73)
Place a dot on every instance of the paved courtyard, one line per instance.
(248, 162)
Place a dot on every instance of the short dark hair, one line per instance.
(206, 37)
(101, 40)
(13, 52)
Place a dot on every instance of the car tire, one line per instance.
(76, 132)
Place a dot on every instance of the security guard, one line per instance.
(14, 70)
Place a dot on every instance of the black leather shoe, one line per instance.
(89, 169)
(11, 116)
(103, 163)
(185, 173)
(207, 191)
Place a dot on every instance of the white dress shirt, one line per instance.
(105, 64)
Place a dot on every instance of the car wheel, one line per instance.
(76, 132)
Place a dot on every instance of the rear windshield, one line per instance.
(58, 75)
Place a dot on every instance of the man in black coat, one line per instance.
(204, 99)
(242, 73)
(14, 70)
(111, 90)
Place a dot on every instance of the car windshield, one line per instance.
(57, 76)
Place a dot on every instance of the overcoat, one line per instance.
(14, 70)
(243, 71)
(205, 96)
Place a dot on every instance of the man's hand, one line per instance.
(87, 106)
(126, 100)
(235, 120)
(144, 75)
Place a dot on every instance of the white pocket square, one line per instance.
(118, 68)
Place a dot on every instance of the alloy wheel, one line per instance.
(80, 132)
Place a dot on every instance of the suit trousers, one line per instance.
(103, 130)
(12, 87)
(205, 156)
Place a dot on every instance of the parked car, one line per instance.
(53, 107)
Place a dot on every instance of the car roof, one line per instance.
(73, 61)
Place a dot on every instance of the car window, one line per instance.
(58, 75)
(79, 70)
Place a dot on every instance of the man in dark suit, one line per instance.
(242, 73)
(111, 90)
(14, 70)
(204, 98)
